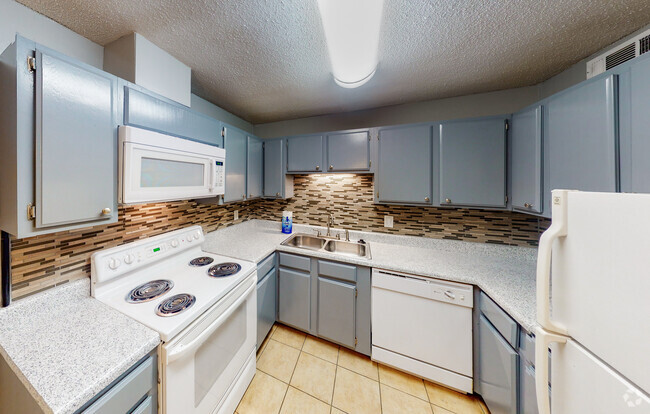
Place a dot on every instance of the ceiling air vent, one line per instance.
(615, 56)
(644, 44)
(620, 56)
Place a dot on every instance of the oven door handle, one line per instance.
(182, 350)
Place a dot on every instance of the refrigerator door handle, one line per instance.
(542, 340)
(544, 253)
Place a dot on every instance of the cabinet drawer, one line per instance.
(124, 395)
(145, 407)
(265, 266)
(527, 346)
(499, 319)
(297, 262)
(337, 270)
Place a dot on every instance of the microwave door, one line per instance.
(156, 174)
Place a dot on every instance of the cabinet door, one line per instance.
(76, 143)
(473, 163)
(274, 168)
(293, 298)
(348, 151)
(266, 305)
(497, 370)
(235, 145)
(527, 392)
(254, 167)
(404, 173)
(336, 311)
(639, 147)
(305, 153)
(582, 139)
(527, 160)
(148, 110)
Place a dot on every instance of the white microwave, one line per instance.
(157, 167)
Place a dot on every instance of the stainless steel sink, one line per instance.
(348, 248)
(305, 241)
(335, 246)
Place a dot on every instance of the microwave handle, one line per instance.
(182, 350)
(213, 175)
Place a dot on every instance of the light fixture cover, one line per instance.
(352, 35)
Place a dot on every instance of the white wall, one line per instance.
(208, 108)
(15, 17)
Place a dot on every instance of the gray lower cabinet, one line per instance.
(526, 145)
(294, 296)
(327, 299)
(404, 166)
(235, 141)
(348, 151)
(134, 392)
(254, 167)
(305, 153)
(473, 162)
(58, 142)
(146, 109)
(276, 183)
(581, 138)
(267, 291)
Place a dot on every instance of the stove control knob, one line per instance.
(189, 238)
(129, 258)
(114, 263)
(197, 235)
(174, 243)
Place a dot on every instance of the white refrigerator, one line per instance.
(593, 305)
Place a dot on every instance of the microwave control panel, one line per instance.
(220, 172)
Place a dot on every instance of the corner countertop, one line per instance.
(505, 273)
(66, 347)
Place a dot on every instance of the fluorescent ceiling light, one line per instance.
(352, 35)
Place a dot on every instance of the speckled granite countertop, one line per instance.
(66, 346)
(505, 273)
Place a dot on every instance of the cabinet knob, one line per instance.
(277, 194)
(528, 205)
(318, 168)
(331, 167)
(106, 211)
(250, 196)
(243, 196)
(426, 199)
(447, 200)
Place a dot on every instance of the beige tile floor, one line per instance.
(298, 373)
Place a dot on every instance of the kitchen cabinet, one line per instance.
(404, 170)
(58, 142)
(267, 288)
(277, 184)
(134, 392)
(473, 162)
(254, 166)
(348, 151)
(146, 109)
(305, 153)
(581, 138)
(327, 299)
(526, 144)
(235, 141)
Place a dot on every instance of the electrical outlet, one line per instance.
(236, 215)
(388, 221)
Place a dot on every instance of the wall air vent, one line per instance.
(615, 56)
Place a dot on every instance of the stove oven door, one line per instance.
(208, 366)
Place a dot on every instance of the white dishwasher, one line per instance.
(423, 326)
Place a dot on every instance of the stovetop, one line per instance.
(171, 288)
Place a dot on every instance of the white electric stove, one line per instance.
(203, 306)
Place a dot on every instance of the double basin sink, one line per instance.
(316, 243)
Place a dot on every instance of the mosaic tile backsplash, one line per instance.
(44, 261)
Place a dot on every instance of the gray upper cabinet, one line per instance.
(526, 144)
(235, 141)
(473, 162)
(305, 153)
(348, 151)
(404, 170)
(276, 183)
(75, 143)
(581, 138)
(254, 164)
(146, 109)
